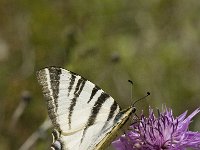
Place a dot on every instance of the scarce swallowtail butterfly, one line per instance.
(83, 115)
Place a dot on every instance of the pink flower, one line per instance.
(160, 133)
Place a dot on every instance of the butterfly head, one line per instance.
(133, 109)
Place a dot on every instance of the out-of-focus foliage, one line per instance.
(155, 43)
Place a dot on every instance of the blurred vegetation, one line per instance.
(155, 43)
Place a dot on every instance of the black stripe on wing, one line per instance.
(54, 74)
(94, 91)
(49, 79)
(77, 92)
(113, 108)
(52, 100)
(94, 112)
(72, 80)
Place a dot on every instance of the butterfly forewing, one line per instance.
(81, 111)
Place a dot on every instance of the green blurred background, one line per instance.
(155, 43)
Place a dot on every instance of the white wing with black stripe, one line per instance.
(82, 114)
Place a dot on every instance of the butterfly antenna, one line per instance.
(148, 93)
(131, 82)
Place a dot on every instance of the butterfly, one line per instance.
(83, 115)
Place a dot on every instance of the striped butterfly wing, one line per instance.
(81, 113)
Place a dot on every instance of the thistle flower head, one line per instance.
(160, 133)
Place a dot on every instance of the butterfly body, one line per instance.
(83, 115)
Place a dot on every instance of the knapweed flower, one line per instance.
(160, 133)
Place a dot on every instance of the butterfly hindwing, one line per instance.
(80, 111)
